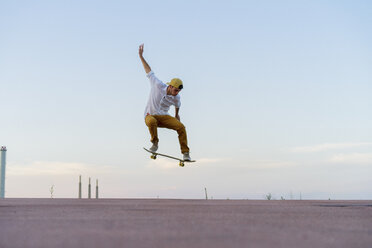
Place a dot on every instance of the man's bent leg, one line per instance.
(152, 124)
(170, 122)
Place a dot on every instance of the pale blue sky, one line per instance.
(277, 97)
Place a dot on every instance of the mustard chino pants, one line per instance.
(167, 121)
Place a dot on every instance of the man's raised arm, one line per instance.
(144, 63)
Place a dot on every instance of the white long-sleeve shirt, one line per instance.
(159, 102)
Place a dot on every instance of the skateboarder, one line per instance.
(162, 96)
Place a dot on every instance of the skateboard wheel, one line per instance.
(182, 164)
(153, 156)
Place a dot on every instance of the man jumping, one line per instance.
(162, 96)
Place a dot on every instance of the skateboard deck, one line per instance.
(182, 162)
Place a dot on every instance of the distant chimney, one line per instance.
(97, 189)
(80, 187)
(89, 190)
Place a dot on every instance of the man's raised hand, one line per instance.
(140, 51)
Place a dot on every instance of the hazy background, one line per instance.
(277, 97)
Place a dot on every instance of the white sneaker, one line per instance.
(154, 147)
(186, 156)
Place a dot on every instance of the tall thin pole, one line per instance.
(2, 171)
(80, 187)
(89, 190)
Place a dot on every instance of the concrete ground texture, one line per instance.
(163, 223)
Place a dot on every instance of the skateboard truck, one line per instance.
(181, 164)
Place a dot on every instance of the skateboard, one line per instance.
(181, 164)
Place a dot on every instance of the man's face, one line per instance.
(174, 91)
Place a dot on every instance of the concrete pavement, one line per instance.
(140, 223)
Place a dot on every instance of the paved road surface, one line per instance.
(70, 223)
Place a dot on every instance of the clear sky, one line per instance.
(276, 99)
